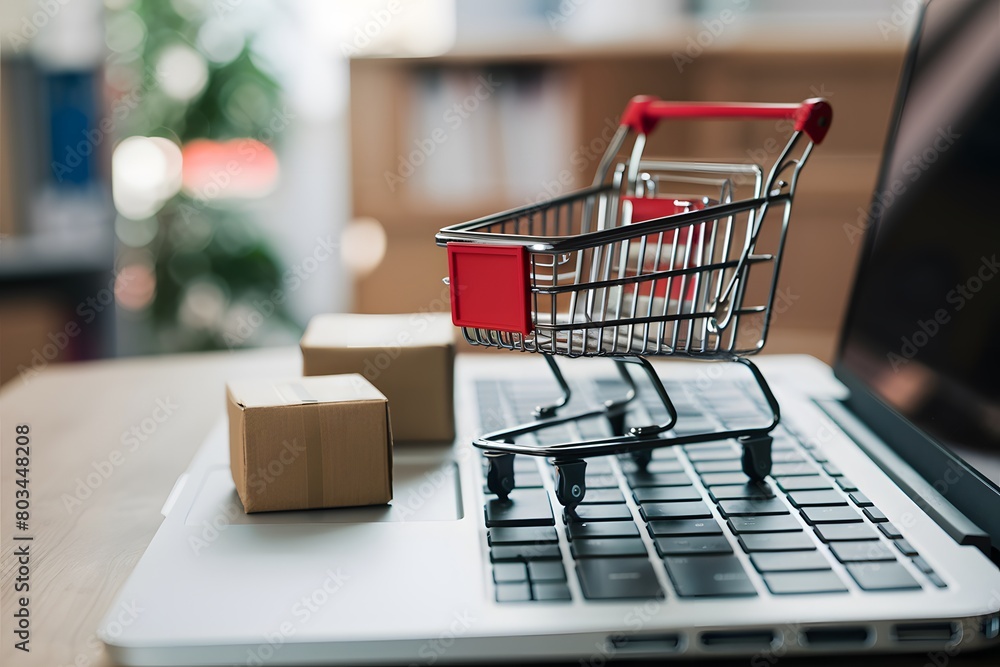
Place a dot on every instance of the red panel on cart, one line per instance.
(489, 287)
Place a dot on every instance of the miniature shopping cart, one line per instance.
(656, 258)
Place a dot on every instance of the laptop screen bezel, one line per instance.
(960, 483)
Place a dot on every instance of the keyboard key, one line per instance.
(889, 530)
(665, 494)
(546, 570)
(665, 453)
(664, 466)
(525, 507)
(754, 542)
(861, 500)
(711, 452)
(845, 532)
(922, 565)
(678, 510)
(752, 507)
(599, 466)
(517, 552)
(508, 573)
(905, 547)
(764, 524)
(852, 552)
(608, 548)
(845, 484)
(814, 515)
(789, 561)
(795, 469)
(882, 576)
(551, 592)
(599, 513)
(684, 527)
(532, 480)
(602, 529)
(617, 578)
(723, 478)
(832, 470)
(741, 492)
(734, 465)
(708, 576)
(601, 482)
(875, 514)
(642, 479)
(937, 580)
(804, 483)
(800, 583)
(519, 592)
(816, 498)
(523, 535)
(693, 546)
(603, 497)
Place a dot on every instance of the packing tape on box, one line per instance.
(296, 393)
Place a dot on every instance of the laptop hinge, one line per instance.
(947, 516)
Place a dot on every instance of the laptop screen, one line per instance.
(923, 330)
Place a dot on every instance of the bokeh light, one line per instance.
(145, 173)
(363, 244)
(181, 72)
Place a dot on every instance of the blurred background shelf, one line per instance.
(51, 255)
(407, 176)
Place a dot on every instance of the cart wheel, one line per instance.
(756, 456)
(642, 459)
(571, 482)
(500, 474)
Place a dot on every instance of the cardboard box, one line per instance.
(309, 442)
(410, 358)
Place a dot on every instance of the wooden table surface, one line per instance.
(93, 512)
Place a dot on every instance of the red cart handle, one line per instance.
(812, 116)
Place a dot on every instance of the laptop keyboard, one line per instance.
(805, 530)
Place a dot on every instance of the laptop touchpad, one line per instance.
(424, 489)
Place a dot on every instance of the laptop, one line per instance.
(877, 530)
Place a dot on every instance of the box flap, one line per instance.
(378, 331)
(303, 390)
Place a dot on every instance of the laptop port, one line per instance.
(943, 631)
(750, 639)
(659, 643)
(832, 637)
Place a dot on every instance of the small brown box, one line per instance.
(309, 442)
(410, 358)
